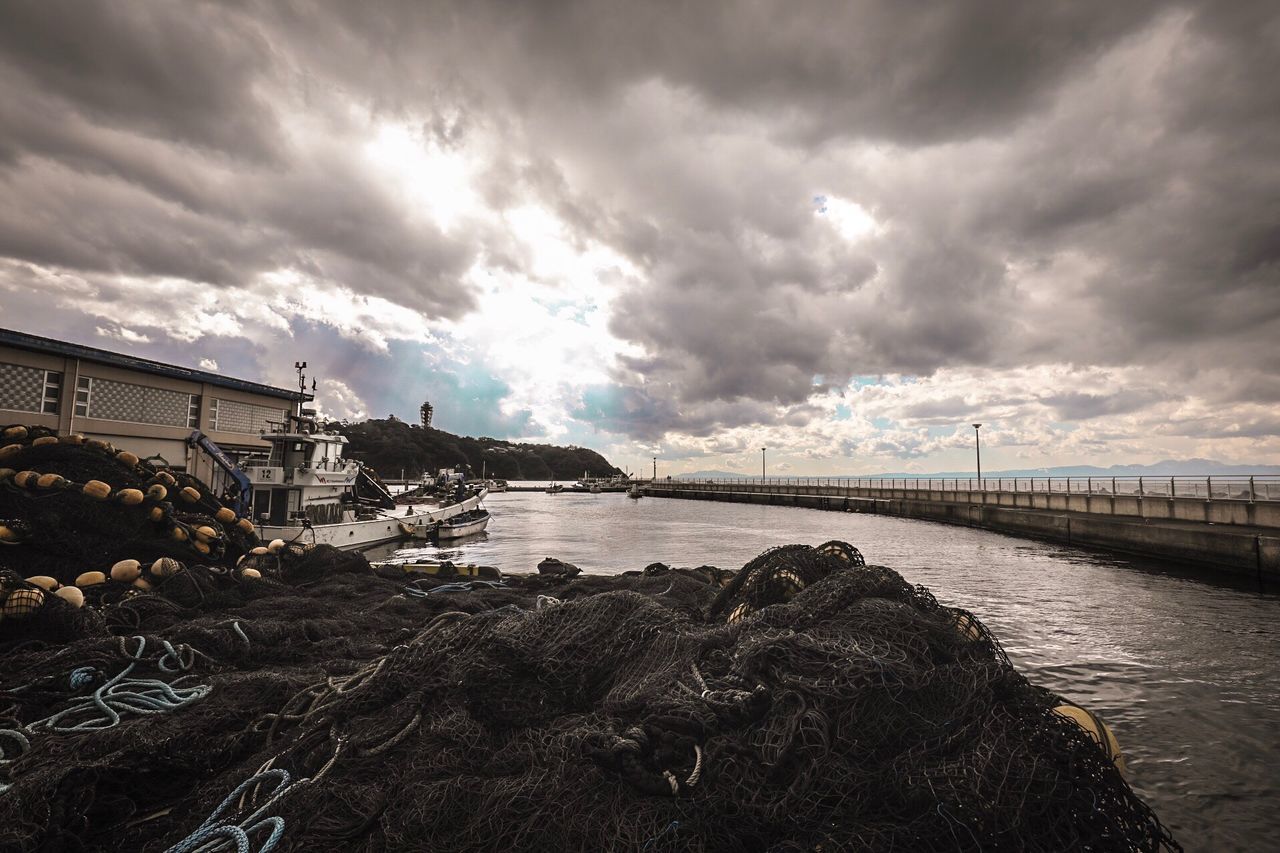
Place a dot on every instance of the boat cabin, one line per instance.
(303, 477)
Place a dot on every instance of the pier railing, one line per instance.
(1259, 487)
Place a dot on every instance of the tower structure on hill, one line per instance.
(426, 412)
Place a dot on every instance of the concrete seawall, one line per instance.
(1148, 527)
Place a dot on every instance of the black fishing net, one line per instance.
(300, 701)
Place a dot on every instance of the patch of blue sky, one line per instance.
(467, 397)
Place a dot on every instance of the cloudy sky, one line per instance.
(842, 230)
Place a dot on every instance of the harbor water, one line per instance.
(1185, 668)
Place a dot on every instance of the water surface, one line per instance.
(1185, 668)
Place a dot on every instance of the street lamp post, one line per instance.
(762, 450)
(655, 469)
(977, 449)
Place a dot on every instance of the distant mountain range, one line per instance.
(1166, 468)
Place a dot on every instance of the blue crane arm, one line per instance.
(217, 457)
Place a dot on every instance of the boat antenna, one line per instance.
(302, 383)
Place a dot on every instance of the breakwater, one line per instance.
(1235, 535)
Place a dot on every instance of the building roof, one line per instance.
(49, 346)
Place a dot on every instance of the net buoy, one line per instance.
(24, 479)
(245, 525)
(6, 473)
(100, 444)
(157, 492)
(129, 497)
(166, 478)
(9, 450)
(205, 533)
(250, 573)
(127, 458)
(18, 432)
(142, 583)
(190, 494)
(179, 534)
(71, 438)
(165, 567)
(200, 546)
(43, 440)
(260, 550)
(157, 513)
(71, 595)
(1097, 730)
(8, 535)
(968, 627)
(97, 490)
(225, 515)
(90, 579)
(44, 582)
(276, 546)
(50, 481)
(126, 570)
(22, 602)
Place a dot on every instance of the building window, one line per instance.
(193, 411)
(52, 391)
(84, 390)
(213, 414)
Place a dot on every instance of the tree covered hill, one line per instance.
(392, 445)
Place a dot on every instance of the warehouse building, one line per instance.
(139, 405)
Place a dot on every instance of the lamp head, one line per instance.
(975, 426)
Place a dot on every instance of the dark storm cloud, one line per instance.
(182, 71)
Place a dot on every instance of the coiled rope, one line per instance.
(121, 695)
(219, 829)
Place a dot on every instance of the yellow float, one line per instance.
(126, 570)
(1097, 730)
(22, 602)
(165, 567)
(97, 490)
(71, 595)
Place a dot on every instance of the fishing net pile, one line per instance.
(805, 702)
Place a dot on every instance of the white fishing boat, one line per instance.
(634, 492)
(307, 491)
(464, 524)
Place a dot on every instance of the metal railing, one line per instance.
(1259, 487)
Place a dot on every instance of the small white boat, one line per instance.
(465, 524)
(634, 492)
(555, 489)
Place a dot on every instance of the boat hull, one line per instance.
(457, 531)
(385, 527)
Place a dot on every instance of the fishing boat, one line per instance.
(464, 524)
(305, 490)
(634, 492)
(555, 489)
(496, 485)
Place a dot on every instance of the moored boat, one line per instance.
(306, 491)
(464, 524)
